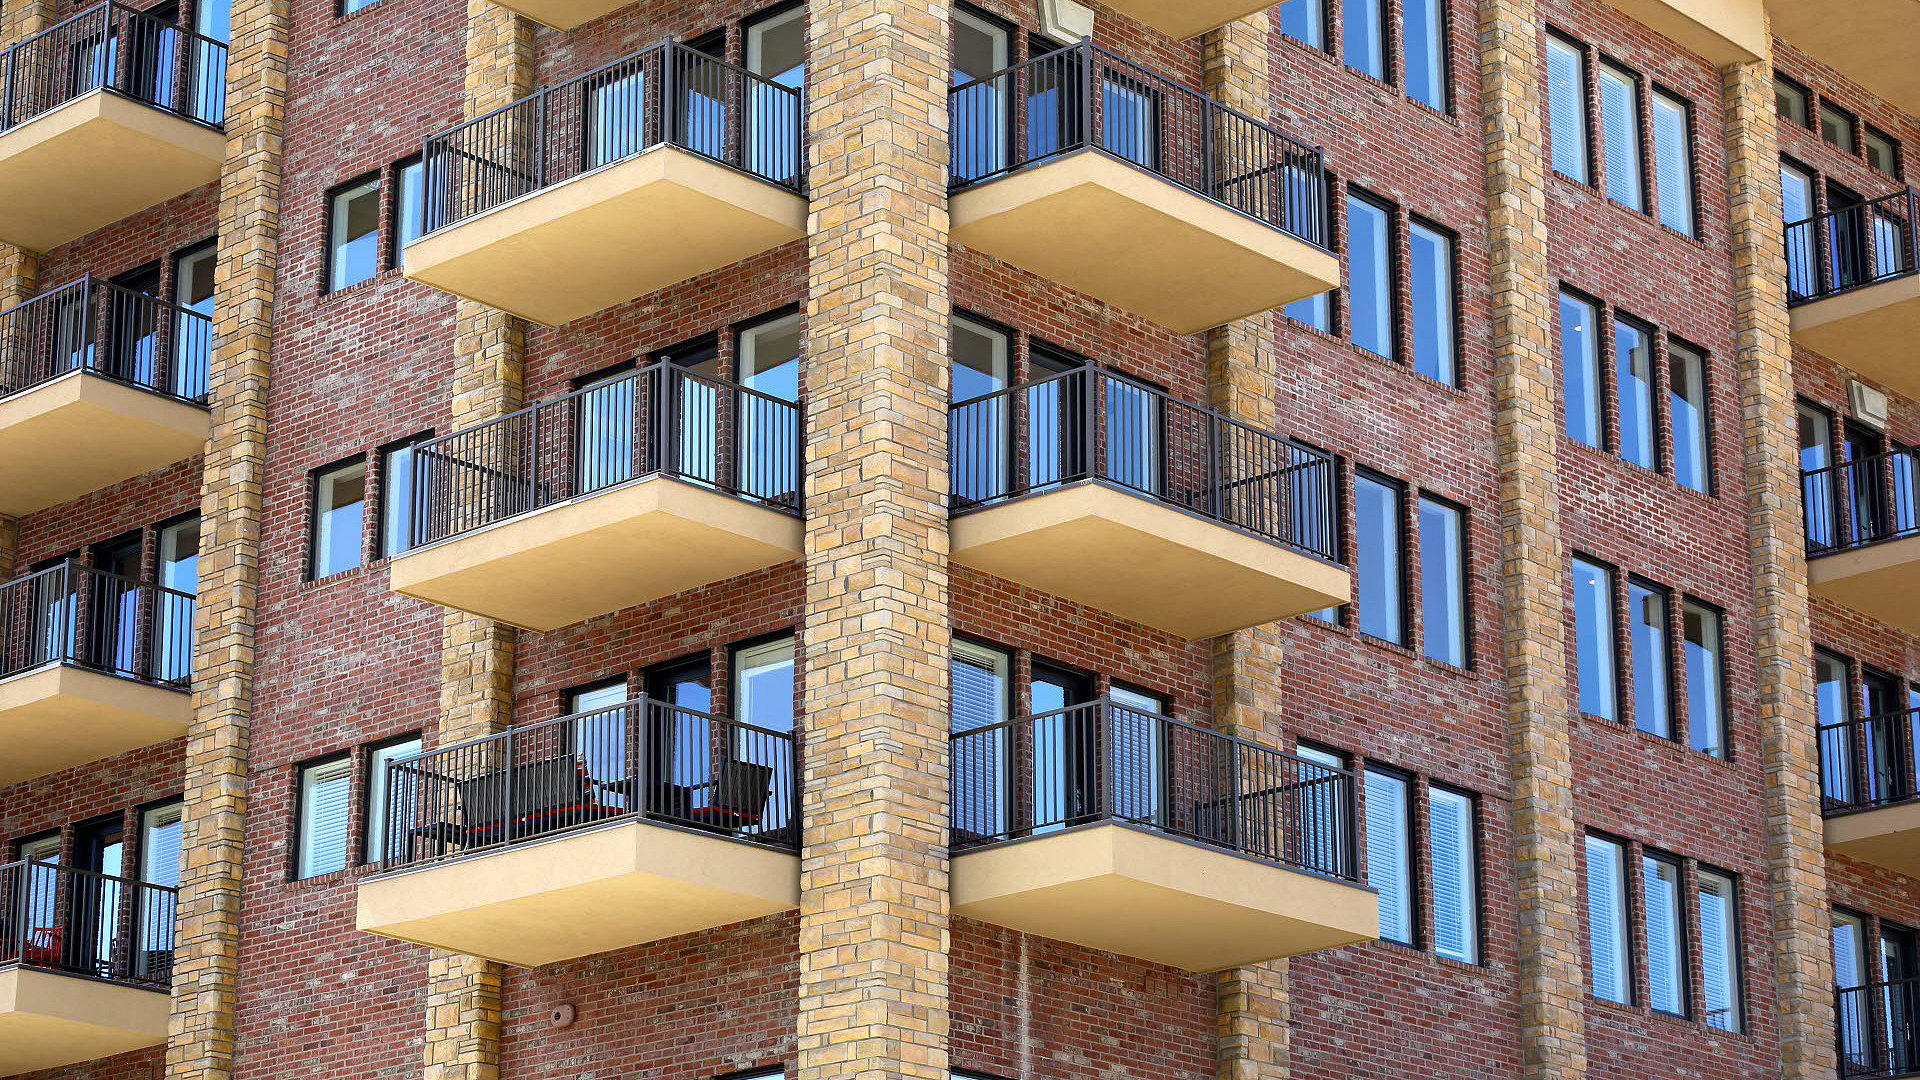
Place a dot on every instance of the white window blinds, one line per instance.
(1620, 128)
(1450, 843)
(1567, 107)
(1673, 162)
(325, 801)
(1389, 857)
(1719, 951)
(1607, 934)
(1666, 947)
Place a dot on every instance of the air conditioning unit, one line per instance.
(1065, 21)
(1868, 406)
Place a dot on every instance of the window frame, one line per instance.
(328, 281)
(315, 481)
(1868, 135)
(1798, 89)
(1722, 721)
(1610, 578)
(1656, 92)
(375, 773)
(1451, 308)
(396, 242)
(1390, 268)
(1600, 340)
(1710, 475)
(300, 870)
(382, 524)
(1587, 141)
(1410, 804)
(1461, 572)
(1474, 877)
(1851, 123)
(1626, 865)
(1636, 86)
(1683, 940)
(1401, 568)
(1650, 334)
(1736, 949)
(1666, 597)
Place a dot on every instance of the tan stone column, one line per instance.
(874, 902)
(1547, 841)
(1243, 382)
(477, 655)
(207, 948)
(1783, 645)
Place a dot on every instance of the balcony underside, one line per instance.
(1138, 893)
(95, 160)
(608, 236)
(1143, 561)
(49, 1020)
(81, 432)
(1872, 42)
(1184, 19)
(562, 14)
(1888, 837)
(582, 893)
(1869, 331)
(1879, 580)
(599, 553)
(1721, 31)
(56, 717)
(1139, 242)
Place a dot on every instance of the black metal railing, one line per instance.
(1869, 762)
(1863, 501)
(1878, 1029)
(1083, 97)
(1852, 247)
(667, 95)
(58, 918)
(98, 326)
(70, 614)
(660, 420)
(640, 759)
(1090, 424)
(113, 47)
(1103, 761)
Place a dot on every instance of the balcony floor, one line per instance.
(1139, 893)
(1888, 837)
(1869, 331)
(57, 717)
(49, 1020)
(81, 432)
(1880, 580)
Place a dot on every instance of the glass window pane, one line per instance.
(1836, 126)
(1370, 275)
(1377, 569)
(1390, 854)
(1803, 253)
(1652, 696)
(192, 338)
(982, 698)
(339, 507)
(1443, 585)
(1315, 311)
(1831, 697)
(1450, 846)
(353, 233)
(1363, 25)
(1608, 937)
(380, 794)
(1883, 152)
(1432, 272)
(1424, 38)
(1706, 675)
(396, 501)
(325, 802)
(410, 198)
(1567, 108)
(1593, 629)
(1666, 940)
(1305, 20)
(1620, 130)
(1580, 369)
(1673, 162)
(1633, 380)
(1719, 950)
(1790, 103)
(1687, 412)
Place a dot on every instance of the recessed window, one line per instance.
(325, 797)
(1450, 851)
(1791, 102)
(1363, 24)
(1567, 108)
(409, 206)
(397, 496)
(1652, 693)
(1883, 151)
(1609, 975)
(1620, 132)
(1370, 275)
(348, 7)
(1432, 277)
(1666, 934)
(353, 234)
(339, 510)
(1706, 679)
(1443, 582)
(1673, 161)
(1390, 852)
(382, 794)
(1423, 35)
(1304, 20)
(1580, 369)
(1633, 385)
(1837, 127)
(1595, 666)
(1687, 413)
(1718, 903)
(1380, 603)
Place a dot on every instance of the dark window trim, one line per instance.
(296, 835)
(1416, 839)
(1454, 305)
(1642, 133)
(1401, 489)
(1658, 89)
(1588, 107)
(363, 770)
(1853, 124)
(313, 515)
(1604, 373)
(327, 287)
(378, 490)
(1630, 907)
(1709, 431)
(392, 222)
(1465, 570)
(1475, 829)
(1616, 610)
(1869, 131)
(1396, 325)
(1668, 610)
(1725, 720)
(1685, 943)
(1737, 975)
(1806, 95)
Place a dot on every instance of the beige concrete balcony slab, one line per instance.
(608, 236)
(49, 1020)
(1888, 837)
(562, 14)
(599, 553)
(82, 431)
(1722, 31)
(1873, 42)
(1869, 330)
(1880, 580)
(95, 160)
(545, 901)
(56, 717)
(1143, 894)
(1139, 242)
(1145, 561)
(1186, 18)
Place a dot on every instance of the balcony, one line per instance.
(1868, 791)
(104, 115)
(592, 832)
(1721, 31)
(1183, 19)
(1878, 1030)
(1853, 283)
(97, 384)
(1872, 42)
(91, 665)
(611, 496)
(1142, 835)
(617, 184)
(1107, 492)
(1863, 536)
(85, 965)
(1137, 191)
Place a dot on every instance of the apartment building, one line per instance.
(722, 540)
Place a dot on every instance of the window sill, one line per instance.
(381, 278)
(328, 880)
(1388, 362)
(1612, 459)
(1645, 1013)
(1651, 741)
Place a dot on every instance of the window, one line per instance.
(1370, 275)
(1423, 35)
(1673, 161)
(192, 338)
(1791, 102)
(1666, 934)
(1620, 135)
(1687, 413)
(326, 789)
(1390, 852)
(1633, 387)
(1719, 949)
(339, 505)
(1652, 694)
(1796, 210)
(763, 694)
(1883, 151)
(982, 690)
(409, 206)
(1443, 581)
(353, 233)
(1706, 679)
(348, 7)
(397, 496)
(1837, 126)
(1832, 693)
(1433, 307)
(379, 761)
(1304, 20)
(1580, 370)
(1450, 851)
(1599, 678)
(1567, 108)
(1363, 26)
(1608, 937)
(1378, 568)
